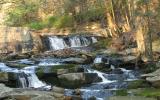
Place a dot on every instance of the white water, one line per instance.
(26, 76)
(101, 75)
(57, 43)
(94, 40)
(98, 60)
(79, 41)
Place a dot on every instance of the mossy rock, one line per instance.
(148, 92)
(70, 67)
(16, 65)
(122, 92)
(138, 84)
(101, 67)
(76, 80)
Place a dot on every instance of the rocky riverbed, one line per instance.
(75, 73)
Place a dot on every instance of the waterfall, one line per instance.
(26, 77)
(57, 43)
(29, 80)
(79, 41)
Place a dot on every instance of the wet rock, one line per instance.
(75, 80)
(117, 71)
(16, 65)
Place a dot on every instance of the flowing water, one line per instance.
(57, 43)
(112, 81)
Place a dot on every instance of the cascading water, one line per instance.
(79, 41)
(57, 43)
(26, 77)
(101, 75)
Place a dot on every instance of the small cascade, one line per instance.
(94, 40)
(26, 77)
(101, 75)
(29, 80)
(57, 43)
(98, 60)
(79, 41)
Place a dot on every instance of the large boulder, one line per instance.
(153, 78)
(75, 80)
(50, 76)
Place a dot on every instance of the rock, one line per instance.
(75, 80)
(73, 98)
(24, 94)
(58, 95)
(58, 89)
(44, 98)
(153, 78)
(130, 98)
(4, 77)
(16, 65)
(8, 78)
(62, 71)
(75, 60)
(155, 73)
(117, 71)
(4, 90)
(158, 64)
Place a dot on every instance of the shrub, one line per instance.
(90, 15)
(64, 21)
(37, 25)
(22, 14)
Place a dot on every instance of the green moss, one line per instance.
(65, 66)
(149, 92)
(64, 21)
(15, 65)
(37, 25)
(39, 72)
(138, 84)
(121, 92)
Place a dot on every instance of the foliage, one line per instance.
(64, 21)
(53, 21)
(22, 14)
(90, 15)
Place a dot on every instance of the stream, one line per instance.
(101, 90)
